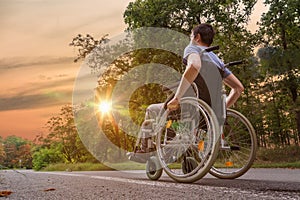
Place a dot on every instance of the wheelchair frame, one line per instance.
(194, 151)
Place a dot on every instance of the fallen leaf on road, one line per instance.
(49, 189)
(5, 193)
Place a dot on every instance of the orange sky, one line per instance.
(36, 64)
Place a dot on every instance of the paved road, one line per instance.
(256, 184)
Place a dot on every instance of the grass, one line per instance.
(138, 166)
(291, 165)
(127, 166)
(77, 167)
(94, 166)
(288, 157)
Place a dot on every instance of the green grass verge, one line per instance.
(94, 166)
(138, 166)
(76, 167)
(288, 157)
(127, 166)
(291, 165)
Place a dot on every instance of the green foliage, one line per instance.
(85, 44)
(182, 15)
(142, 98)
(288, 154)
(2, 151)
(45, 156)
(229, 17)
(63, 133)
(279, 70)
(62, 144)
(89, 135)
(280, 25)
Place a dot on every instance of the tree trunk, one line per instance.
(297, 137)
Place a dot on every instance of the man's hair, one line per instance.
(206, 32)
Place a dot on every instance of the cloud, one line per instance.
(22, 62)
(48, 92)
(50, 85)
(33, 101)
(41, 82)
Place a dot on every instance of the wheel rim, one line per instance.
(195, 138)
(240, 147)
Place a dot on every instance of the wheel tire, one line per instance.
(153, 168)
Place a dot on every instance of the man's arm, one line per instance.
(236, 89)
(189, 75)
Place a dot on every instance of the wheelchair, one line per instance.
(197, 138)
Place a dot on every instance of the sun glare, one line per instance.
(104, 107)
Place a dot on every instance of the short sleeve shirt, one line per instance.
(191, 48)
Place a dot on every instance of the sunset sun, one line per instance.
(104, 107)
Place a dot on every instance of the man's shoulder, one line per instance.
(193, 47)
(189, 49)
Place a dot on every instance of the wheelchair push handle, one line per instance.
(235, 63)
(212, 48)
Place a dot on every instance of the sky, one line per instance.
(37, 71)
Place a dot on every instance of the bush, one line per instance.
(45, 156)
(279, 155)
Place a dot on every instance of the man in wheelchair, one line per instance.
(201, 38)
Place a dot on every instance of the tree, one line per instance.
(230, 18)
(2, 152)
(63, 138)
(17, 152)
(280, 65)
(63, 131)
(25, 156)
(85, 44)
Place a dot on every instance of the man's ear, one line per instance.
(198, 38)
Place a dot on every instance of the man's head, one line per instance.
(205, 32)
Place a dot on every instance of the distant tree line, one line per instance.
(61, 145)
(15, 152)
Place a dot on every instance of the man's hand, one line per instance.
(173, 104)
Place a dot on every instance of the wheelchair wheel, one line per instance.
(186, 142)
(237, 153)
(153, 168)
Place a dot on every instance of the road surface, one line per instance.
(255, 184)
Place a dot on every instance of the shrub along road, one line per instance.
(256, 184)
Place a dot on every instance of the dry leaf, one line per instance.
(49, 189)
(5, 193)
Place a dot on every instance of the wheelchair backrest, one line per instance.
(208, 86)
